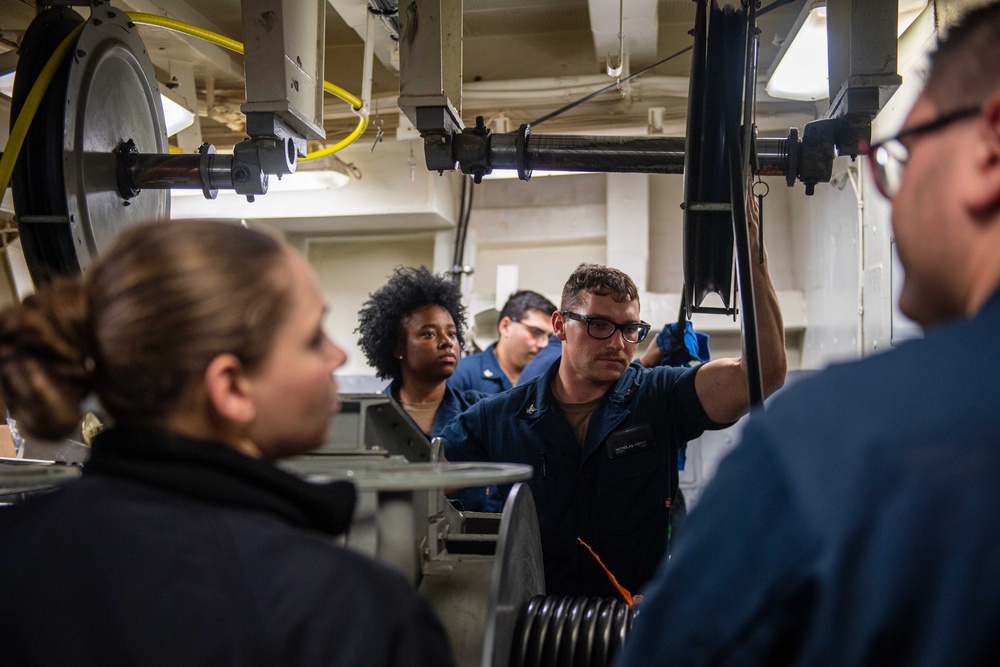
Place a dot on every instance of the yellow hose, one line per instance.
(24, 119)
(343, 143)
(231, 44)
(227, 43)
(31, 103)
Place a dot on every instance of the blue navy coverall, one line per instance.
(480, 372)
(614, 492)
(455, 402)
(855, 524)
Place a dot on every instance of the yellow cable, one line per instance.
(31, 103)
(231, 44)
(343, 143)
(187, 29)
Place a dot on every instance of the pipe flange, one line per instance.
(521, 152)
(205, 167)
(793, 153)
(122, 166)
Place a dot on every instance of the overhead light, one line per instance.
(803, 70)
(176, 116)
(325, 173)
(7, 84)
(302, 181)
(502, 174)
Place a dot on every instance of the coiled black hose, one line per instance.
(570, 631)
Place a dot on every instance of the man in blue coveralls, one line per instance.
(523, 331)
(602, 433)
(858, 522)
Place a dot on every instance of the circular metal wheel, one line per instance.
(708, 228)
(718, 154)
(518, 574)
(65, 190)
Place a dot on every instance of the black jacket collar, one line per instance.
(212, 472)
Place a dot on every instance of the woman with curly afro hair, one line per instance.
(411, 333)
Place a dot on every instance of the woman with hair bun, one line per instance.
(411, 333)
(182, 543)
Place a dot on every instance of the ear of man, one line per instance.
(229, 390)
(559, 325)
(504, 326)
(984, 191)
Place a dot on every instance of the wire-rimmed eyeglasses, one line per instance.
(889, 156)
(601, 329)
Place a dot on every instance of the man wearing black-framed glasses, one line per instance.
(603, 433)
(523, 330)
(856, 522)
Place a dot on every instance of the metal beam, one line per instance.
(862, 55)
(430, 75)
(640, 29)
(355, 14)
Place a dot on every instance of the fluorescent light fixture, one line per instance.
(909, 10)
(300, 181)
(502, 174)
(175, 116)
(803, 71)
(7, 84)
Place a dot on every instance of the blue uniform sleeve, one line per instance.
(465, 438)
(474, 499)
(737, 590)
(688, 414)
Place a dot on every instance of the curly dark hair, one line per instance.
(381, 318)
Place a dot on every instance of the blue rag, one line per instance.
(694, 348)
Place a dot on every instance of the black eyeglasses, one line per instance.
(601, 329)
(534, 332)
(889, 156)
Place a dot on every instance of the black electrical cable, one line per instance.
(461, 229)
(464, 229)
(456, 253)
(605, 89)
(775, 5)
(558, 112)
(388, 14)
(465, 219)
